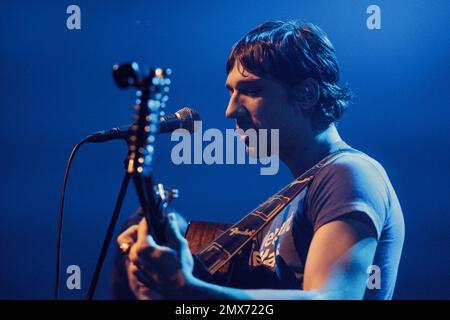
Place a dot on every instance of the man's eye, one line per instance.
(251, 93)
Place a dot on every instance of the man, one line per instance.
(284, 75)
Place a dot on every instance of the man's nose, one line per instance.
(233, 108)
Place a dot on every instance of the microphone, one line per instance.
(182, 119)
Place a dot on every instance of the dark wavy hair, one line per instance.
(290, 52)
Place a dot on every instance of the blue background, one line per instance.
(56, 87)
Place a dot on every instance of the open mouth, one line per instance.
(245, 123)
(244, 138)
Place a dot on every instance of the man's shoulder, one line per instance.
(352, 176)
(352, 182)
(354, 164)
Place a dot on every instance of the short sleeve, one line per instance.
(353, 184)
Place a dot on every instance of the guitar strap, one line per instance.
(219, 252)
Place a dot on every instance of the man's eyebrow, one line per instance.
(245, 82)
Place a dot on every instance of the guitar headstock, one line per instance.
(151, 97)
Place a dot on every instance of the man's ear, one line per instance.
(307, 94)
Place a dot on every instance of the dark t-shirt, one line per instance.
(353, 183)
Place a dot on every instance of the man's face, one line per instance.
(258, 103)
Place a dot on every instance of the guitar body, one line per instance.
(201, 233)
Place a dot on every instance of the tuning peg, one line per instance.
(172, 194)
(167, 194)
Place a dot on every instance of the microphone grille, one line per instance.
(188, 114)
(187, 117)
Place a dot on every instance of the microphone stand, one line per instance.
(109, 233)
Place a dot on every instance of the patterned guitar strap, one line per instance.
(219, 252)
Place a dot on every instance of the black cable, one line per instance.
(60, 219)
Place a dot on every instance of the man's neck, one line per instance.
(301, 157)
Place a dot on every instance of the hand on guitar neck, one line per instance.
(156, 271)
